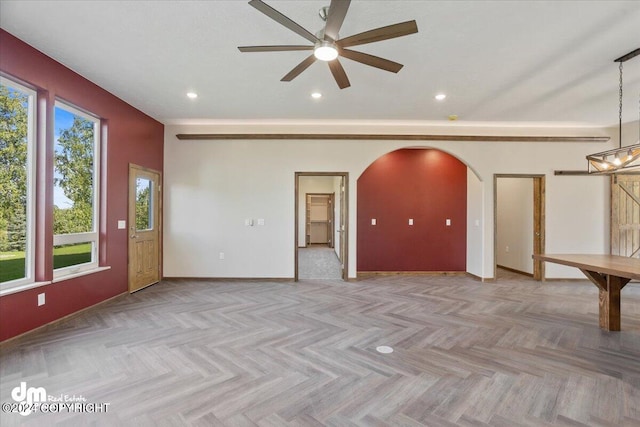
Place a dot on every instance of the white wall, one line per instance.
(212, 186)
(514, 232)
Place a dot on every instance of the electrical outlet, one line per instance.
(506, 249)
(221, 255)
(41, 299)
(410, 221)
(373, 221)
(448, 222)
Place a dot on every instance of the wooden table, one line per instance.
(610, 273)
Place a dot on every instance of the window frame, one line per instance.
(93, 236)
(30, 236)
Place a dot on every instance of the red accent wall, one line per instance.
(133, 137)
(424, 184)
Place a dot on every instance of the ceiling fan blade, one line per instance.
(339, 74)
(374, 61)
(283, 20)
(337, 11)
(382, 33)
(273, 48)
(299, 69)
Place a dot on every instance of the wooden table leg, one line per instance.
(610, 304)
(609, 299)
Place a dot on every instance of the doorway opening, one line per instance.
(319, 219)
(519, 225)
(321, 227)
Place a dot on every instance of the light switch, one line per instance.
(410, 221)
(477, 223)
(448, 222)
(373, 221)
(122, 224)
(248, 222)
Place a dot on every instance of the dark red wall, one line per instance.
(426, 185)
(133, 137)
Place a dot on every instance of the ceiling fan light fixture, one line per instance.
(327, 44)
(325, 51)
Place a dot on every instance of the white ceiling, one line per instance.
(498, 61)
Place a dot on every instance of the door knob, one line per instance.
(133, 236)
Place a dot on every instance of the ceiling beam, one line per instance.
(386, 137)
(628, 56)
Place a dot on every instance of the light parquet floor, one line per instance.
(208, 353)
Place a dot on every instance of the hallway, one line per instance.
(318, 262)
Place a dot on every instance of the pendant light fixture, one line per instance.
(621, 158)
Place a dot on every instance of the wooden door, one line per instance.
(341, 225)
(625, 215)
(307, 222)
(144, 227)
(331, 213)
(538, 225)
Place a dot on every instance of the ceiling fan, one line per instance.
(327, 46)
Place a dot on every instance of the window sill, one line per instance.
(79, 274)
(21, 288)
(33, 285)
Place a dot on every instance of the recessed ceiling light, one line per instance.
(440, 96)
(384, 349)
(192, 95)
(316, 95)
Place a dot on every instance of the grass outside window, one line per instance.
(12, 263)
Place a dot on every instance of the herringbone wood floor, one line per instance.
(206, 353)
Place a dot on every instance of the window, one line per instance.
(144, 204)
(17, 119)
(76, 191)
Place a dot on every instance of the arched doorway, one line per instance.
(412, 213)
